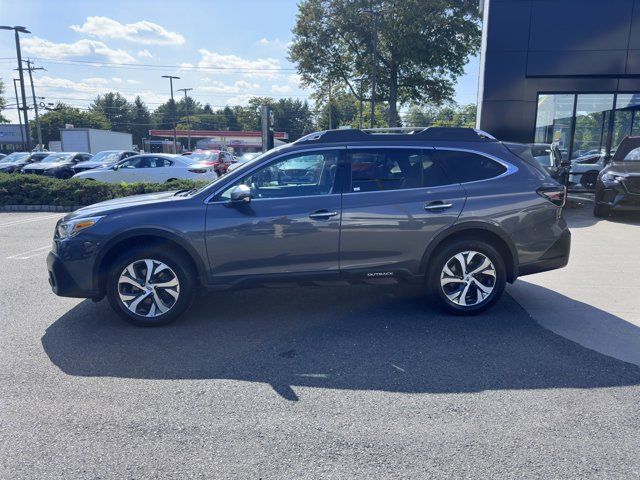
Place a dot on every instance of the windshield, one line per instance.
(248, 156)
(57, 157)
(106, 156)
(202, 156)
(15, 157)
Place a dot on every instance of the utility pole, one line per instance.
(360, 79)
(186, 105)
(15, 89)
(18, 29)
(31, 68)
(173, 103)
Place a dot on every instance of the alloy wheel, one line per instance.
(468, 278)
(148, 287)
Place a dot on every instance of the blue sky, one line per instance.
(227, 51)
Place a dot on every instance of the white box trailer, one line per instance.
(92, 140)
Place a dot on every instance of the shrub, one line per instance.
(19, 189)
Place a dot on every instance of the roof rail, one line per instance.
(459, 134)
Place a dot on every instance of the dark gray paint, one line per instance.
(275, 239)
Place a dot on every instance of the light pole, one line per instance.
(15, 89)
(18, 29)
(173, 104)
(374, 60)
(186, 105)
(360, 80)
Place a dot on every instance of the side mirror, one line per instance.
(115, 167)
(565, 163)
(240, 194)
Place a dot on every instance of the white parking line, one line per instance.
(30, 253)
(28, 219)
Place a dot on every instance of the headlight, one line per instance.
(612, 177)
(73, 227)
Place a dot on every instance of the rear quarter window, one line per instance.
(469, 167)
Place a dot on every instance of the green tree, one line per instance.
(422, 48)
(53, 120)
(141, 121)
(116, 109)
(447, 115)
(3, 103)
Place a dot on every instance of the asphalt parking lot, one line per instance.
(362, 382)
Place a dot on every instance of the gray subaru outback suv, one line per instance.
(450, 208)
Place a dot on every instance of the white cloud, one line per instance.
(262, 67)
(240, 99)
(134, 82)
(80, 49)
(144, 54)
(294, 79)
(238, 87)
(95, 81)
(275, 43)
(280, 88)
(117, 79)
(186, 66)
(144, 32)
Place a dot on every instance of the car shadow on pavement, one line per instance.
(582, 217)
(366, 338)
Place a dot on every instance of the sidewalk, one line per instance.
(595, 300)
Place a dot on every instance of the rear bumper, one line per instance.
(556, 257)
(62, 282)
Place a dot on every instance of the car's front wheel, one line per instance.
(150, 288)
(467, 277)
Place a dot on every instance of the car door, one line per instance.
(290, 227)
(161, 169)
(395, 202)
(130, 170)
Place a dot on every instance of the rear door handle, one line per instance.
(322, 215)
(437, 205)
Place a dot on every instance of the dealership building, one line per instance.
(565, 71)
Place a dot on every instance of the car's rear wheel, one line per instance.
(150, 287)
(467, 277)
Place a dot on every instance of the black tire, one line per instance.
(589, 180)
(601, 211)
(443, 256)
(177, 263)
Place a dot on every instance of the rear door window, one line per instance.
(467, 167)
(385, 169)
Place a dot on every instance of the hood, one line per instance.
(110, 206)
(43, 166)
(625, 168)
(93, 164)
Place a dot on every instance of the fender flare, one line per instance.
(459, 227)
(153, 231)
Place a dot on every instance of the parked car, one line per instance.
(618, 184)
(584, 170)
(247, 157)
(451, 209)
(15, 163)
(2, 155)
(104, 159)
(218, 159)
(151, 167)
(58, 164)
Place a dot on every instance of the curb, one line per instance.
(38, 208)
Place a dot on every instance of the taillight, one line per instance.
(556, 195)
(198, 170)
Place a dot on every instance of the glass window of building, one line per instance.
(554, 120)
(593, 113)
(627, 118)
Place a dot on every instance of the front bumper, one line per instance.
(617, 197)
(71, 269)
(61, 281)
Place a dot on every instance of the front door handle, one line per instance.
(322, 215)
(437, 205)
